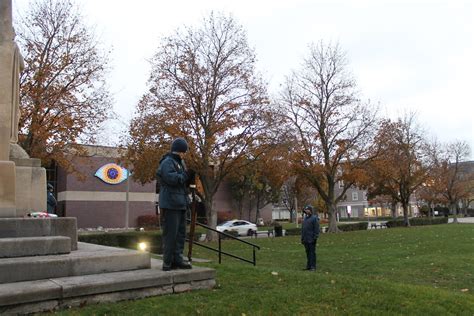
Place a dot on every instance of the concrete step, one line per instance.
(34, 246)
(57, 293)
(88, 259)
(36, 227)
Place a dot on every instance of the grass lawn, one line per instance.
(426, 270)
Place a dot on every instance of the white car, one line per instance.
(242, 227)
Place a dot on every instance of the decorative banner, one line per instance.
(112, 173)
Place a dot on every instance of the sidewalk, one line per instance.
(464, 220)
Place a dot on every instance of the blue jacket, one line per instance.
(172, 176)
(310, 229)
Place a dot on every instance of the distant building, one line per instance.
(356, 205)
(97, 203)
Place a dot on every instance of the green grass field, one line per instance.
(426, 270)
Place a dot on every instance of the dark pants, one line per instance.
(310, 255)
(174, 234)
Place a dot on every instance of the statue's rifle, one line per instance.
(192, 226)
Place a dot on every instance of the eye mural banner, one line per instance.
(112, 173)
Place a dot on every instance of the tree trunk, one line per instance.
(211, 219)
(332, 219)
(257, 211)
(250, 210)
(394, 210)
(455, 212)
(241, 208)
(405, 214)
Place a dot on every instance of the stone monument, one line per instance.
(22, 180)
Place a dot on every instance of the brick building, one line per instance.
(96, 203)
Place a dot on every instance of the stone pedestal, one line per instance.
(30, 186)
(5, 111)
(30, 178)
(7, 189)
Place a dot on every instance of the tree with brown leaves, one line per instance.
(63, 96)
(403, 163)
(260, 181)
(453, 180)
(332, 128)
(203, 87)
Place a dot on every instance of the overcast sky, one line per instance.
(405, 55)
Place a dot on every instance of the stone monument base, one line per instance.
(44, 268)
(30, 187)
(7, 189)
(39, 227)
(29, 184)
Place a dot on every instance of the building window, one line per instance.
(341, 184)
(355, 196)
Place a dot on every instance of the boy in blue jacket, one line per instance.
(309, 236)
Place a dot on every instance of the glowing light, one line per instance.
(142, 246)
(112, 173)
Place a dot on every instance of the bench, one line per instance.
(268, 233)
(375, 225)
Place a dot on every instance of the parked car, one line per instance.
(243, 228)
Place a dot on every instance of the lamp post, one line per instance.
(127, 202)
(296, 211)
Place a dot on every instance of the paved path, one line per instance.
(464, 220)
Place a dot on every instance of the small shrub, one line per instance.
(223, 217)
(441, 210)
(147, 221)
(395, 223)
(128, 240)
(276, 224)
(232, 233)
(418, 221)
(353, 226)
(425, 210)
(293, 232)
(470, 211)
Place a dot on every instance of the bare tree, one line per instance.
(63, 93)
(203, 87)
(331, 126)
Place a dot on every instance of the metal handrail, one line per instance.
(219, 250)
